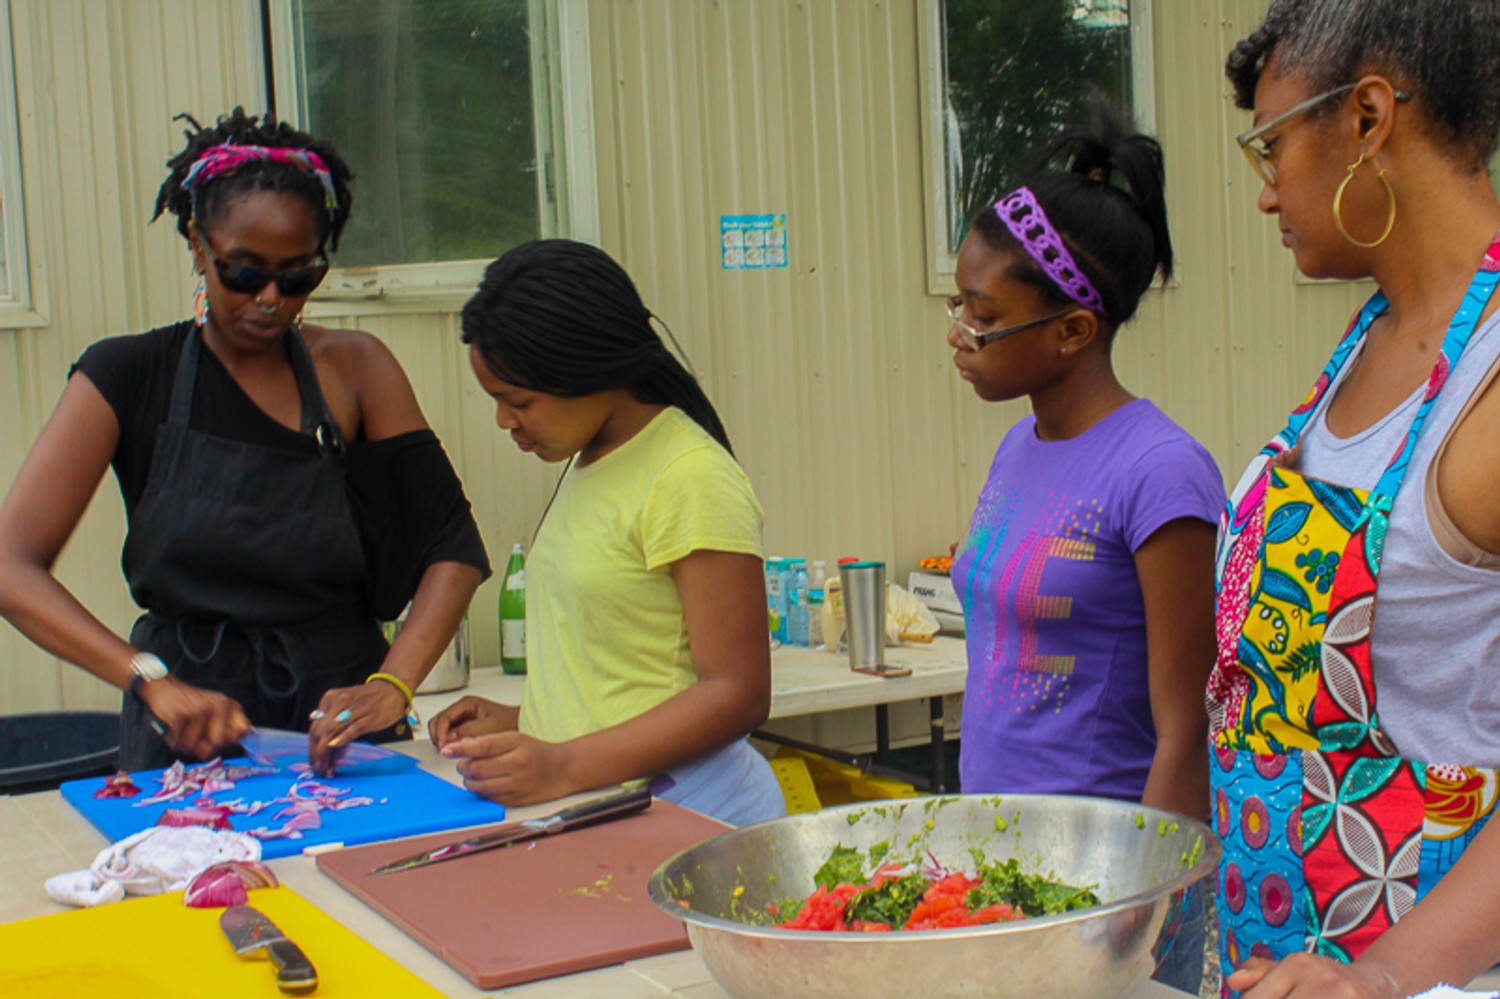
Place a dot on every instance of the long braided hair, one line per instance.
(213, 198)
(527, 324)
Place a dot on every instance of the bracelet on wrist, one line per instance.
(145, 668)
(395, 681)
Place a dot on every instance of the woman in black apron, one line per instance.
(263, 465)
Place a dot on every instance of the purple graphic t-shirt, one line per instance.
(1056, 699)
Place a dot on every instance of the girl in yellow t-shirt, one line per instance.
(647, 651)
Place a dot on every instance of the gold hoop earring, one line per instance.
(1338, 205)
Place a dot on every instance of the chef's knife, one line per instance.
(251, 933)
(586, 814)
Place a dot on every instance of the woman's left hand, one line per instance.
(512, 768)
(346, 713)
(1312, 976)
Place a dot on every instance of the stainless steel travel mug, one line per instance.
(863, 585)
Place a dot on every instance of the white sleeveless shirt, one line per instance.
(1436, 639)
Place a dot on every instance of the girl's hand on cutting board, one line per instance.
(512, 768)
(471, 716)
(1313, 976)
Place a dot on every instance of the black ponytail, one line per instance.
(530, 325)
(1103, 189)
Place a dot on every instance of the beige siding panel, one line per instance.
(831, 374)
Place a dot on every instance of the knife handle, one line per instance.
(600, 809)
(294, 972)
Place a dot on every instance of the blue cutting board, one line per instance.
(406, 804)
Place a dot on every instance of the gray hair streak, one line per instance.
(1447, 52)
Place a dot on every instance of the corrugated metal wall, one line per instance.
(831, 374)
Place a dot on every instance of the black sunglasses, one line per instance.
(244, 279)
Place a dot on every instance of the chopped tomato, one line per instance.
(944, 904)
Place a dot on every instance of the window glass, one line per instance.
(431, 102)
(1013, 73)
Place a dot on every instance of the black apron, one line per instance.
(248, 560)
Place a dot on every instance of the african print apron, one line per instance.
(1329, 835)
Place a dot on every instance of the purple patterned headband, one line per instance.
(229, 157)
(1028, 223)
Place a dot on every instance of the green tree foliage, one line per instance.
(1017, 71)
(431, 103)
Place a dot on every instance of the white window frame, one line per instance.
(567, 185)
(941, 261)
(16, 309)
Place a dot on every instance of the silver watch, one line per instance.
(147, 667)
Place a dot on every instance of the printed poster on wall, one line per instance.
(752, 242)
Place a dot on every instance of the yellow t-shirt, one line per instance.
(605, 635)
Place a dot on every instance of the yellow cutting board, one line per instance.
(158, 947)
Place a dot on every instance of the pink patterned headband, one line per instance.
(228, 157)
(1028, 223)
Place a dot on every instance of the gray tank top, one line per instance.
(1436, 642)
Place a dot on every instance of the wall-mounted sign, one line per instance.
(752, 242)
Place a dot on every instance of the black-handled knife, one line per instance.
(587, 814)
(250, 932)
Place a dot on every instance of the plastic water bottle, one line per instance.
(513, 613)
(776, 597)
(815, 604)
(797, 624)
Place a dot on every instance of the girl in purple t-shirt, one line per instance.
(1087, 574)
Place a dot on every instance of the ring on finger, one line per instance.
(315, 714)
(343, 716)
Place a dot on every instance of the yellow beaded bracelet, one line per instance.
(399, 684)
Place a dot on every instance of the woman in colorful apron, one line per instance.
(1332, 831)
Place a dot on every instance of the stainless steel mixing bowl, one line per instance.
(1145, 863)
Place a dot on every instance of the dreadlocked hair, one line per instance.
(214, 196)
(525, 322)
(1103, 188)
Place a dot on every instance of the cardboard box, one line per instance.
(935, 591)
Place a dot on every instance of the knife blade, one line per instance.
(589, 813)
(251, 933)
(271, 747)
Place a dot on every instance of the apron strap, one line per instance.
(316, 419)
(180, 409)
(1460, 331)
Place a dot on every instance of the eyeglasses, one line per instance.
(1258, 151)
(975, 340)
(244, 279)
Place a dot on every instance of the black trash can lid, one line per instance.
(49, 747)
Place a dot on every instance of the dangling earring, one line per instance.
(200, 302)
(1338, 205)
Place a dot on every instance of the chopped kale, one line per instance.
(892, 903)
(845, 866)
(1031, 893)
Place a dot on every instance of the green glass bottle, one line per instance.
(513, 613)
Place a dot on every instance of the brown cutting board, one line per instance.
(551, 906)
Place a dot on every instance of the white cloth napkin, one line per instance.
(156, 860)
(1449, 992)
